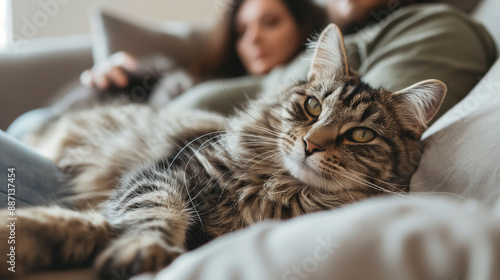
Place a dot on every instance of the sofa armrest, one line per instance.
(31, 76)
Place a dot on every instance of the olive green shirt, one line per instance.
(415, 43)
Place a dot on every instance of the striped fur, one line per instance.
(150, 184)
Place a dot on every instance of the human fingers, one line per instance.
(125, 60)
(87, 78)
(118, 77)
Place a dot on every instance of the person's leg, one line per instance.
(35, 180)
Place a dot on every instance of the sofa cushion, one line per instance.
(462, 148)
(114, 31)
(36, 72)
(376, 239)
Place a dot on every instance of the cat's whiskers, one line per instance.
(266, 189)
(342, 185)
(419, 193)
(225, 149)
(364, 182)
(269, 131)
(276, 153)
(399, 192)
(263, 139)
(185, 177)
(416, 197)
(273, 140)
(260, 142)
(277, 161)
(185, 147)
(272, 156)
(371, 185)
(281, 153)
(381, 181)
(123, 170)
(259, 155)
(265, 186)
(222, 176)
(190, 143)
(258, 135)
(223, 189)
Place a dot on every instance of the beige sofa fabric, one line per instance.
(29, 79)
(113, 31)
(462, 149)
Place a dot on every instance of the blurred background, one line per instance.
(31, 19)
(46, 44)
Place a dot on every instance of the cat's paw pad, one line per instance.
(129, 256)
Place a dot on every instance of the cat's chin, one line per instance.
(306, 174)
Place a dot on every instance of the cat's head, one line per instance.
(338, 132)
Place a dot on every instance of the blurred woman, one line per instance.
(254, 37)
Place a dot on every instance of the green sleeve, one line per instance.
(419, 42)
(223, 96)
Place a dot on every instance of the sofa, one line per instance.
(53, 65)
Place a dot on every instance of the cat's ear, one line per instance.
(418, 104)
(330, 58)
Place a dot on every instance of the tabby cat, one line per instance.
(151, 183)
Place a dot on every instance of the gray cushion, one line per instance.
(32, 76)
(113, 31)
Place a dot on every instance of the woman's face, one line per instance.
(268, 35)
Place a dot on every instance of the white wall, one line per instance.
(49, 18)
(3, 8)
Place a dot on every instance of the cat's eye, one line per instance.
(361, 135)
(313, 107)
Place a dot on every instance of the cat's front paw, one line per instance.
(43, 236)
(131, 255)
(21, 240)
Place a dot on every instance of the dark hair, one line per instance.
(309, 17)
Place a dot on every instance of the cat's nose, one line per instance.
(311, 147)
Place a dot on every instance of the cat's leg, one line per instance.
(44, 237)
(152, 218)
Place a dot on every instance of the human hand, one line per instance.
(111, 72)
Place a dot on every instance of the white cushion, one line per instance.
(377, 239)
(462, 148)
